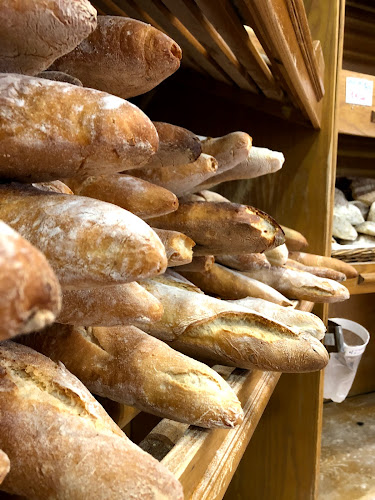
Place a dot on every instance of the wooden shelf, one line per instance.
(365, 282)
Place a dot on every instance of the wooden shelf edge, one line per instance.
(365, 282)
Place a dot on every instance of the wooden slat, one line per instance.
(365, 284)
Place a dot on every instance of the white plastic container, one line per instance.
(340, 372)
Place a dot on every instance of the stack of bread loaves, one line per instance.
(100, 201)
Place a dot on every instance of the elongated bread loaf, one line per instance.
(260, 161)
(199, 264)
(323, 272)
(54, 187)
(136, 195)
(277, 256)
(30, 296)
(4, 465)
(301, 321)
(294, 240)
(172, 278)
(123, 56)
(245, 261)
(309, 259)
(178, 246)
(109, 306)
(128, 366)
(87, 242)
(220, 228)
(300, 285)
(228, 284)
(205, 195)
(54, 130)
(229, 150)
(36, 32)
(60, 441)
(59, 76)
(180, 179)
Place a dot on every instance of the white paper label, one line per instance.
(359, 91)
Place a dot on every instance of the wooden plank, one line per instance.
(365, 284)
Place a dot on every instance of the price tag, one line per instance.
(358, 91)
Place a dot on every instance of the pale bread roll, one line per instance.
(30, 296)
(178, 247)
(309, 259)
(128, 366)
(123, 56)
(245, 261)
(60, 441)
(229, 150)
(87, 242)
(4, 465)
(54, 130)
(36, 32)
(277, 256)
(323, 272)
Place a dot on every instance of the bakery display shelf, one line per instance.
(261, 47)
(365, 281)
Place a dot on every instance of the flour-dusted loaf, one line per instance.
(229, 150)
(220, 228)
(178, 246)
(36, 32)
(127, 304)
(205, 195)
(198, 264)
(323, 272)
(123, 56)
(295, 241)
(136, 195)
(54, 187)
(87, 242)
(59, 76)
(54, 130)
(30, 296)
(128, 366)
(62, 444)
(245, 261)
(277, 256)
(4, 465)
(172, 278)
(309, 259)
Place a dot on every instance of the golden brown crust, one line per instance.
(87, 242)
(322, 272)
(244, 261)
(54, 130)
(309, 259)
(205, 195)
(140, 197)
(229, 150)
(123, 56)
(36, 32)
(54, 187)
(59, 76)
(294, 240)
(29, 290)
(199, 264)
(4, 465)
(178, 246)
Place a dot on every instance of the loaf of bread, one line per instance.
(178, 247)
(136, 195)
(54, 187)
(4, 465)
(62, 444)
(309, 259)
(205, 195)
(245, 261)
(298, 321)
(172, 278)
(36, 32)
(128, 366)
(294, 240)
(202, 326)
(199, 264)
(229, 150)
(128, 304)
(228, 284)
(123, 56)
(87, 242)
(300, 285)
(59, 76)
(220, 228)
(277, 256)
(54, 130)
(180, 179)
(260, 161)
(30, 296)
(322, 272)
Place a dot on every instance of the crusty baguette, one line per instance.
(301, 321)
(294, 240)
(309, 259)
(229, 150)
(128, 304)
(87, 242)
(128, 366)
(228, 284)
(277, 256)
(36, 32)
(30, 296)
(245, 261)
(136, 195)
(300, 285)
(172, 278)
(178, 246)
(180, 179)
(4, 465)
(230, 334)
(123, 56)
(59, 76)
(205, 195)
(54, 130)
(60, 441)
(222, 227)
(199, 264)
(260, 161)
(54, 187)
(323, 272)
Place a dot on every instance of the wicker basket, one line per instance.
(351, 255)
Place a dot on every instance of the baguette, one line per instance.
(60, 441)
(277, 256)
(301, 321)
(229, 150)
(309, 259)
(244, 261)
(300, 285)
(54, 187)
(30, 296)
(199, 264)
(182, 178)
(171, 278)
(36, 32)
(54, 130)
(59, 76)
(4, 465)
(109, 306)
(126, 365)
(205, 195)
(136, 195)
(87, 242)
(294, 240)
(178, 247)
(219, 227)
(228, 284)
(123, 56)
(322, 272)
